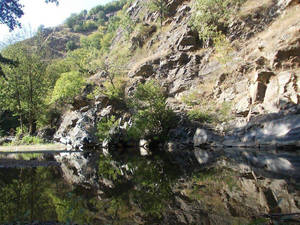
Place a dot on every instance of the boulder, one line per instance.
(257, 92)
(145, 70)
(242, 107)
(201, 137)
(203, 156)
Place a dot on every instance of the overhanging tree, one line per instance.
(11, 11)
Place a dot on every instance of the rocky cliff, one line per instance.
(252, 93)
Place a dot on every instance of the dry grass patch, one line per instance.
(252, 6)
(142, 55)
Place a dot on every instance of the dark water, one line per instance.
(36, 189)
(38, 192)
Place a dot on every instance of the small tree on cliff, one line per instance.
(160, 6)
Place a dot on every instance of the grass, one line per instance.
(211, 113)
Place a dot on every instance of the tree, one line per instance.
(160, 6)
(6, 62)
(24, 89)
(67, 87)
(152, 118)
(11, 11)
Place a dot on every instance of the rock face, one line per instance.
(78, 130)
(261, 83)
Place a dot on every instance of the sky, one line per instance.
(37, 12)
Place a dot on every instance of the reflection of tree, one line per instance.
(145, 191)
(36, 194)
(23, 195)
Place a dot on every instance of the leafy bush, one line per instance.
(67, 87)
(223, 49)
(55, 69)
(211, 16)
(107, 169)
(71, 45)
(31, 140)
(115, 90)
(104, 127)
(91, 41)
(152, 118)
(80, 59)
(27, 139)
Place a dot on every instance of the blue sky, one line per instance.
(37, 12)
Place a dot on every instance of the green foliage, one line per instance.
(80, 59)
(106, 42)
(223, 49)
(104, 127)
(89, 21)
(2, 133)
(91, 41)
(107, 169)
(71, 45)
(212, 114)
(70, 209)
(211, 16)
(152, 118)
(67, 87)
(55, 69)
(115, 89)
(159, 6)
(197, 114)
(127, 24)
(28, 140)
(224, 112)
(192, 98)
(31, 140)
(25, 87)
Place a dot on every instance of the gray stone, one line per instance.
(201, 137)
(257, 92)
(263, 76)
(144, 147)
(144, 70)
(271, 100)
(242, 107)
(202, 156)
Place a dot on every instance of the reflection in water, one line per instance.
(41, 194)
(37, 194)
(130, 189)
